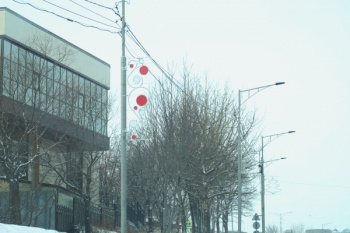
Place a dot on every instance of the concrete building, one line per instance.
(53, 109)
(318, 231)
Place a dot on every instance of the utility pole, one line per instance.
(261, 165)
(281, 218)
(239, 165)
(123, 188)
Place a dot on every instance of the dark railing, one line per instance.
(70, 219)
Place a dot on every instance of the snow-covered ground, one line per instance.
(7, 228)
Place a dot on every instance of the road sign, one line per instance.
(256, 225)
(256, 217)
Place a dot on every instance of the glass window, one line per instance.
(36, 82)
(98, 93)
(6, 87)
(42, 105)
(104, 96)
(93, 90)
(63, 76)
(36, 63)
(57, 73)
(87, 88)
(43, 67)
(99, 125)
(22, 57)
(7, 49)
(50, 70)
(7, 68)
(80, 101)
(76, 82)
(81, 84)
(14, 53)
(104, 111)
(29, 96)
(29, 60)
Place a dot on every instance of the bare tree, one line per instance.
(191, 151)
(272, 229)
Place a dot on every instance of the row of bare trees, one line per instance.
(184, 167)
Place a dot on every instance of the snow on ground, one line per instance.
(7, 228)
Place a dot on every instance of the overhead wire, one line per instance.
(138, 43)
(92, 11)
(97, 4)
(69, 19)
(85, 17)
(319, 185)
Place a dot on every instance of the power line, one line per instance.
(138, 43)
(110, 8)
(85, 17)
(70, 20)
(92, 11)
(319, 185)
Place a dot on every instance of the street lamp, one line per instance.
(255, 91)
(270, 139)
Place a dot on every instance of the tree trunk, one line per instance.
(194, 214)
(87, 219)
(218, 214)
(87, 202)
(183, 218)
(225, 221)
(150, 219)
(14, 203)
(206, 218)
(35, 187)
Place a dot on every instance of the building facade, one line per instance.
(53, 108)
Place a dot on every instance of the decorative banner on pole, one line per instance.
(138, 95)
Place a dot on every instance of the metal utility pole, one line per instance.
(281, 216)
(123, 188)
(262, 186)
(269, 138)
(239, 165)
(240, 140)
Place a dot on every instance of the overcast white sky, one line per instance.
(249, 44)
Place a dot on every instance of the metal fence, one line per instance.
(69, 219)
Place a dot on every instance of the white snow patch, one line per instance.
(8, 228)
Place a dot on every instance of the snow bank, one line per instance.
(7, 228)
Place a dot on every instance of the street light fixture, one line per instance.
(255, 91)
(270, 139)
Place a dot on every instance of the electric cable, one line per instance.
(138, 43)
(62, 8)
(92, 11)
(70, 20)
(110, 8)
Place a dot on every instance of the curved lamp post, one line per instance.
(269, 138)
(251, 93)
